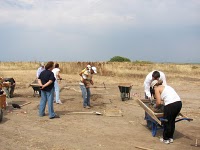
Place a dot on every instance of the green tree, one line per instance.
(119, 59)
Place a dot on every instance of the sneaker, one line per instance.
(56, 116)
(171, 140)
(88, 107)
(59, 102)
(164, 141)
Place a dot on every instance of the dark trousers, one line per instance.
(170, 113)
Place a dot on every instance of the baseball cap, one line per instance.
(94, 69)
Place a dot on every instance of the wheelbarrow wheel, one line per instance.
(123, 96)
(1, 115)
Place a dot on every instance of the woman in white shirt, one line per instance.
(56, 72)
(172, 107)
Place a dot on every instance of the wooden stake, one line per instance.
(196, 144)
(143, 148)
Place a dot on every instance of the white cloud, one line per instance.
(52, 13)
(55, 13)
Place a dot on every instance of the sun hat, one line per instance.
(153, 83)
(94, 69)
(42, 63)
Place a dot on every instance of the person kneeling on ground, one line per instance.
(172, 107)
(86, 80)
(10, 89)
(46, 81)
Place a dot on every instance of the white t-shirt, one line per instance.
(169, 95)
(148, 80)
(56, 72)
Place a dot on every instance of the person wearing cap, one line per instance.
(57, 76)
(85, 82)
(154, 75)
(172, 107)
(40, 69)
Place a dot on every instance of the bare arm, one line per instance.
(158, 96)
(45, 85)
(58, 75)
(39, 82)
(91, 81)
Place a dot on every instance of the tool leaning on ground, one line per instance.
(19, 106)
(87, 113)
(68, 85)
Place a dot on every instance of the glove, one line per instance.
(151, 100)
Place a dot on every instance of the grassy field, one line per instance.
(25, 130)
(133, 70)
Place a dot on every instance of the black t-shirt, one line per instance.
(45, 76)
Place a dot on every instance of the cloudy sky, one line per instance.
(96, 30)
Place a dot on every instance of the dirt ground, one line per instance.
(23, 129)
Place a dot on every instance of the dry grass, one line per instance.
(137, 70)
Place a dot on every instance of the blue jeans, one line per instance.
(85, 95)
(47, 97)
(57, 91)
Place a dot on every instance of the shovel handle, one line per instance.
(25, 104)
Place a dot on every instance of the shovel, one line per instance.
(91, 112)
(19, 106)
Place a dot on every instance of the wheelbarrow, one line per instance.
(155, 120)
(125, 90)
(36, 88)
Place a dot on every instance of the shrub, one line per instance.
(194, 67)
(119, 59)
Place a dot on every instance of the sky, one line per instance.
(97, 30)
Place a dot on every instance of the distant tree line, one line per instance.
(119, 59)
(124, 59)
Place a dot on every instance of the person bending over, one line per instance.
(154, 75)
(172, 107)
